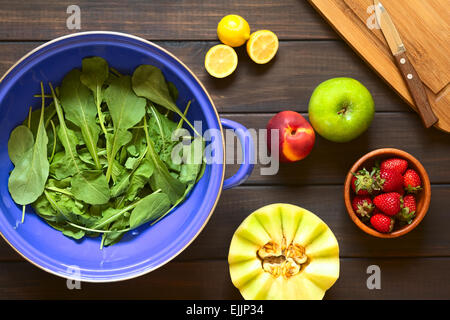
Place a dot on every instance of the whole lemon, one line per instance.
(233, 30)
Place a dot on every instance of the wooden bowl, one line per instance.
(422, 198)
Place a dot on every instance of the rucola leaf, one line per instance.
(150, 208)
(126, 110)
(20, 142)
(149, 82)
(125, 107)
(193, 159)
(181, 199)
(160, 126)
(161, 177)
(111, 238)
(135, 179)
(91, 187)
(27, 180)
(94, 74)
(49, 114)
(67, 137)
(79, 108)
(92, 184)
(139, 178)
(173, 91)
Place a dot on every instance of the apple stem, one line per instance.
(343, 110)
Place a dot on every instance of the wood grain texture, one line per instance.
(430, 238)
(400, 279)
(423, 27)
(377, 54)
(158, 19)
(329, 162)
(285, 83)
(417, 90)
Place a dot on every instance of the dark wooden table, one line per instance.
(412, 267)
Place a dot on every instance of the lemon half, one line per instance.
(221, 61)
(262, 46)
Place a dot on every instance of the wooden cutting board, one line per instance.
(424, 28)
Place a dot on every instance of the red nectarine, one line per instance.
(296, 135)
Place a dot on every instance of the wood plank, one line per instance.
(210, 280)
(430, 238)
(285, 83)
(156, 20)
(329, 162)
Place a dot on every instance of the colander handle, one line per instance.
(248, 153)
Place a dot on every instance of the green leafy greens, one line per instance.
(27, 180)
(97, 160)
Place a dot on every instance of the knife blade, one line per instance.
(412, 79)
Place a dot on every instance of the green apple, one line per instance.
(340, 109)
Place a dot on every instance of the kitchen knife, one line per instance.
(412, 79)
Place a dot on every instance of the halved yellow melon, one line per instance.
(282, 251)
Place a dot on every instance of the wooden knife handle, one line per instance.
(417, 90)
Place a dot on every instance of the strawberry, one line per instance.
(364, 183)
(382, 223)
(388, 203)
(409, 202)
(397, 164)
(411, 181)
(408, 205)
(363, 206)
(391, 180)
